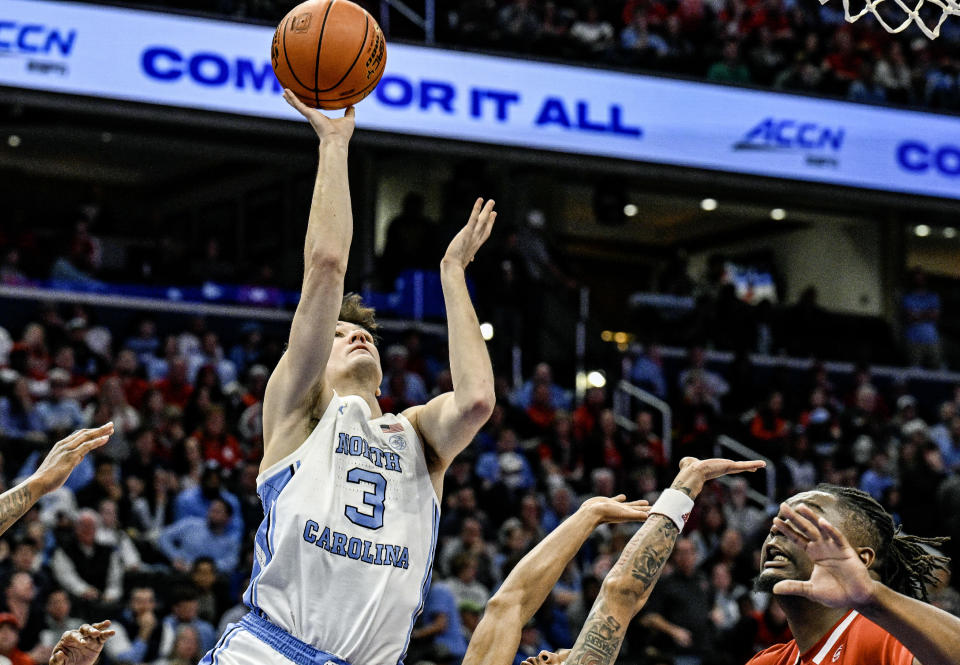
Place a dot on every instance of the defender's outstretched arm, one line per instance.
(449, 422)
(628, 585)
(497, 637)
(296, 385)
(52, 473)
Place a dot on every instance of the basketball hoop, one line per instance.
(947, 8)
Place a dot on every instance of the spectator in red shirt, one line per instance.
(9, 641)
(134, 386)
(175, 388)
(541, 411)
(215, 442)
(605, 447)
(585, 417)
(647, 446)
(843, 63)
(771, 627)
(769, 428)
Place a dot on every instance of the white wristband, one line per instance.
(673, 504)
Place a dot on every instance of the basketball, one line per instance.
(330, 53)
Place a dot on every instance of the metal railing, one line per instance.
(621, 405)
(770, 500)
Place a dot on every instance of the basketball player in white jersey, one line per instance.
(351, 496)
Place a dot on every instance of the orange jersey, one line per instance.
(854, 640)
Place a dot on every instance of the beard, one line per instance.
(764, 583)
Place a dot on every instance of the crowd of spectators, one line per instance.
(781, 44)
(155, 531)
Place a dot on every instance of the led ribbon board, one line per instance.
(224, 66)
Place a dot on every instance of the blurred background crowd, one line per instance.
(156, 530)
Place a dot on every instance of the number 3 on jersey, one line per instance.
(372, 499)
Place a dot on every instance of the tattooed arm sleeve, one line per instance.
(626, 588)
(15, 502)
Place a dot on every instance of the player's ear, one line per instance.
(868, 556)
(378, 392)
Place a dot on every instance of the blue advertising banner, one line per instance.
(223, 66)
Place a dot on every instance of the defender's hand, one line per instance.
(81, 646)
(324, 127)
(471, 237)
(616, 510)
(839, 578)
(695, 472)
(67, 453)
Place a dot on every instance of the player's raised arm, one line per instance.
(449, 422)
(841, 578)
(627, 586)
(497, 637)
(52, 473)
(296, 386)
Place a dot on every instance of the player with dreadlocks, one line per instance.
(852, 585)
(853, 593)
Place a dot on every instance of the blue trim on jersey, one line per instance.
(425, 584)
(211, 655)
(269, 492)
(286, 644)
(226, 645)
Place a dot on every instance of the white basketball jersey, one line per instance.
(344, 554)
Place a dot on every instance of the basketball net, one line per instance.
(947, 8)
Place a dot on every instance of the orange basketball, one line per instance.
(330, 53)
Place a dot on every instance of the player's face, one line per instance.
(354, 355)
(780, 559)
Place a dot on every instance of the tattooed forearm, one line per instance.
(13, 504)
(682, 487)
(600, 639)
(624, 592)
(649, 559)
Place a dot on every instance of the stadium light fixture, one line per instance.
(596, 379)
(486, 331)
(708, 205)
(778, 214)
(630, 210)
(921, 230)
